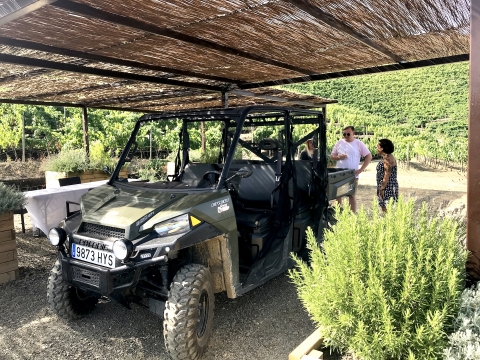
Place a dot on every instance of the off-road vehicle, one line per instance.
(230, 226)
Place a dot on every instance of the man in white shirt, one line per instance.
(347, 153)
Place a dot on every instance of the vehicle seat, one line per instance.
(193, 175)
(255, 191)
(303, 175)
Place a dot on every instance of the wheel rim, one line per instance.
(202, 314)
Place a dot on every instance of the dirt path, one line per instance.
(267, 323)
(440, 189)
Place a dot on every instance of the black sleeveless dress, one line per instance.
(391, 190)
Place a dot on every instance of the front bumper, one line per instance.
(102, 280)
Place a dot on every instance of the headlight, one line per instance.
(57, 236)
(122, 249)
(178, 225)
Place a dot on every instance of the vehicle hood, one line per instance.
(129, 208)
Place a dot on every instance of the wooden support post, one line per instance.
(225, 100)
(473, 175)
(85, 132)
(23, 137)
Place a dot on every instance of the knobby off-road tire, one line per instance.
(188, 316)
(65, 300)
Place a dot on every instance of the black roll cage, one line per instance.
(238, 118)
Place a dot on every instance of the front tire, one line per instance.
(188, 316)
(65, 300)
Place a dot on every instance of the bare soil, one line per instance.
(267, 323)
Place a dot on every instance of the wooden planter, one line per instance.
(8, 249)
(51, 177)
(308, 349)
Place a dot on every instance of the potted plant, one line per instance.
(385, 286)
(10, 200)
(73, 162)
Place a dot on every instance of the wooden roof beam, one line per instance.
(92, 12)
(363, 71)
(328, 19)
(20, 60)
(106, 59)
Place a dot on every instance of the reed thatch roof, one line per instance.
(155, 55)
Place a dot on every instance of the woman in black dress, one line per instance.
(387, 184)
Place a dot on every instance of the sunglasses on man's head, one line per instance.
(346, 134)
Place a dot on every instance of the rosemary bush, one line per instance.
(74, 160)
(385, 286)
(465, 341)
(67, 161)
(10, 198)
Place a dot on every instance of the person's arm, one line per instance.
(366, 161)
(335, 156)
(387, 165)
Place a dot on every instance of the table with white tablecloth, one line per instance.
(47, 207)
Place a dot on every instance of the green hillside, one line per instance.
(409, 96)
(406, 106)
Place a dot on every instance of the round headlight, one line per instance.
(57, 236)
(122, 249)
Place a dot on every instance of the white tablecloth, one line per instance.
(47, 207)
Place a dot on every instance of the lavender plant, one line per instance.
(10, 198)
(464, 343)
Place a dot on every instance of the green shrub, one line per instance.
(66, 161)
(74, 160)
(99, 158)
(209, 156)
(385, 286)
(10, 198)
(151, 170)
(465, 341)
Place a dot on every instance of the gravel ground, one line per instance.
(266, 323)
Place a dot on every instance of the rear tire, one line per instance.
(188, 316)
(65, 300)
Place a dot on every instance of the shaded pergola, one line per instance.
(154, 55)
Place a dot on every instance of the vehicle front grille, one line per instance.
(101, 231)
(86, 276)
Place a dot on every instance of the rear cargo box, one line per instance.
(341, 182)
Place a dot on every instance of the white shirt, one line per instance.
(354, 151)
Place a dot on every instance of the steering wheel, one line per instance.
(208, 178)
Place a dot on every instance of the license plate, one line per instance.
(94, 256)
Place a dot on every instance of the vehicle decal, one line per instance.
(222, 208)
(220, 202)
(92, 244)
(145, 218)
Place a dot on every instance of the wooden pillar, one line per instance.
(225, 100)
(85, 132)
(23, 137)
(473, 175)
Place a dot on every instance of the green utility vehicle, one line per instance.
(230, 226)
